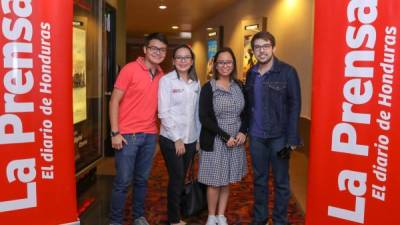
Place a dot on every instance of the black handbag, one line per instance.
(194, 196)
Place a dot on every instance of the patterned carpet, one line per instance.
(239, 207)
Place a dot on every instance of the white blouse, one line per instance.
(178, 108)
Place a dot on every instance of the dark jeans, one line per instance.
(264, 155)
(177, 167)
(133, 164)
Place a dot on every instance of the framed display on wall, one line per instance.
(79, 70)
(215, 38)
(250, 27)
(87, 83)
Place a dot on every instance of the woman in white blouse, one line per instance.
(178, 103)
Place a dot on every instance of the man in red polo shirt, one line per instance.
(133, 108)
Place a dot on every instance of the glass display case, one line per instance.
(87, 83)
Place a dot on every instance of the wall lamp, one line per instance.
(162, 5)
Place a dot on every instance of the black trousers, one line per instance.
(177, 167)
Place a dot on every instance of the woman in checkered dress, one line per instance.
(223, 157)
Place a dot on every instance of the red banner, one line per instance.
(354, 172)
(37, 176)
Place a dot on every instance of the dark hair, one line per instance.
(266, 36)
(155, 36)
(233, 74)
(192, 71)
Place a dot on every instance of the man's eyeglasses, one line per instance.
(155, 49)
(183, 58)
(263, 47)
(224, 63)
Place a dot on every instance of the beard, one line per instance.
(268, 60)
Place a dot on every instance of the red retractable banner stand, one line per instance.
(354, 170)
(37, 180)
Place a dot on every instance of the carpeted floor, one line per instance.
(239, 206)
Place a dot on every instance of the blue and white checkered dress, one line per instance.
(224, 165)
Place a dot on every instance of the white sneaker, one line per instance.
(141, 221)
(212, 220)
(221, 220)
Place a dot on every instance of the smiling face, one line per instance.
(155, 52)
(263, 51)
(224, 64)
(183, 60)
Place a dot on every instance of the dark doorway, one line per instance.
(111, 70)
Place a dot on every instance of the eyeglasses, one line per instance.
(155, 49)
(224, 63)
(183, 58)
(263, 47)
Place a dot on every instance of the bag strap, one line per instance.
(190, 172)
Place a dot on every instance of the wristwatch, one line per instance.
(114, 133)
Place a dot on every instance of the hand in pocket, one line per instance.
(284, 153)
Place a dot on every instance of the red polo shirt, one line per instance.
(138, 107)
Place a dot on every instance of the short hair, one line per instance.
(233, 74)
(266, 36)
(155, 36)
(192, 70)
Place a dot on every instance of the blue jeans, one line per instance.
(264, 155)
(133, 164)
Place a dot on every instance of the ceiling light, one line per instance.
(175, 27)
(162, 5)
(209, 28)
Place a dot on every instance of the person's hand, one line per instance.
(284, 153)
(231, 142)
(179, 147)
(240, 138)
(118, 141)
(197, 146)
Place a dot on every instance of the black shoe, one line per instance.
(258, 223)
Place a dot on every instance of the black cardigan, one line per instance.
(209, 124)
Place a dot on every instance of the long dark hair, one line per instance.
(192, 74)
(233, 74)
